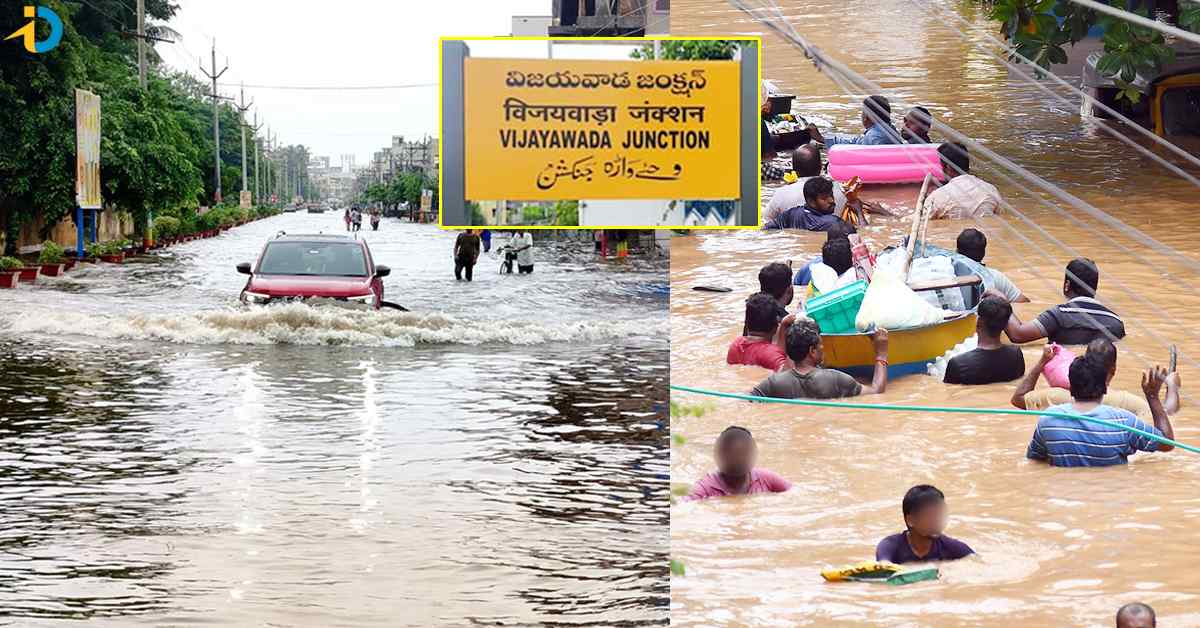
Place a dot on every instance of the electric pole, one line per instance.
(287, 171)
(216, 98)
(270, 182)
(257, 187)
(141, 37)
(242, 108)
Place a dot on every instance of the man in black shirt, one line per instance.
(466, 253)
(1080, 320)
(775, 279)
(993, 361)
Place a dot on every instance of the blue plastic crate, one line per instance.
(835, 311)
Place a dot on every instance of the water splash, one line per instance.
(299, 324)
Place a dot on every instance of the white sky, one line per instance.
(349, 42)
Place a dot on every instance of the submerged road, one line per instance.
(497, 456)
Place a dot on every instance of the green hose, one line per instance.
(884, 406)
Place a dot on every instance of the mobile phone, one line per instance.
(1174, 359)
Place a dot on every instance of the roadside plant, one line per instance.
(51, 253)
(166, 227)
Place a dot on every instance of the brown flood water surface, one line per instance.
(1057, 547)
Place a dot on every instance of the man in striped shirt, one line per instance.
(1067, 442)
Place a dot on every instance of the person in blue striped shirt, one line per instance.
(1067, 442)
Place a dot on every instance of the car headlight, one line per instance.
(255, 298)
(366, 299)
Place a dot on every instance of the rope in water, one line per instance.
(955, 410)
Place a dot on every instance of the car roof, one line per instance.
(316, 237)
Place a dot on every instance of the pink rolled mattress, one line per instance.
(894, 163)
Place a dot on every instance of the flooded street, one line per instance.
(1057, 547)
(496, 457)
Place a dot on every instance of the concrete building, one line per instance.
(531, 25)
(419, 154)
(332, 181)
(631, 18)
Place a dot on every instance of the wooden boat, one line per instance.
(910, 350)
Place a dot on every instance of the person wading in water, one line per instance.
(736, 452)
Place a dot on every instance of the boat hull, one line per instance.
(910, 351)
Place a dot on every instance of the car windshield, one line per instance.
(314, 258)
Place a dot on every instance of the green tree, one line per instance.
(1041, 29)
(147, 161)
(37, 108)
(680, 49)
(566, 213)
(156, 143)
(477, 217)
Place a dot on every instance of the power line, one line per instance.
(127, 8)
(1139, 20)
(104, 13)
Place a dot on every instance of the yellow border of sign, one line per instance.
(568, 40)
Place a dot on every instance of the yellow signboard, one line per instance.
(87, 150)
(572, 129)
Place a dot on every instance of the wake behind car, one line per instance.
(314, 268)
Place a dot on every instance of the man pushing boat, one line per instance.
(809, 380)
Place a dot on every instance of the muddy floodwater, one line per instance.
(1056, 547)
(496, 457)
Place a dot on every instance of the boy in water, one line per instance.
(924, 508)
(762, 344)
(736, 453)
(1136, 615)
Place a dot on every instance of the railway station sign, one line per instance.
(538, 129)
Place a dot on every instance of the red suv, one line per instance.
(314, 267)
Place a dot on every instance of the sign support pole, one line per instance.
(453, 196)
(79, 232)
(748, 206)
